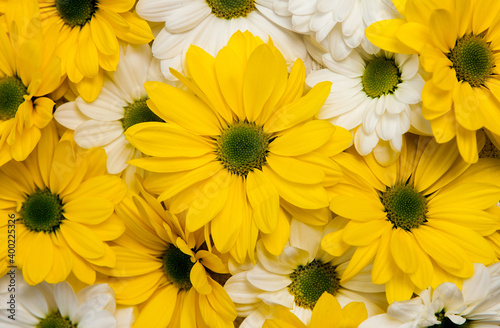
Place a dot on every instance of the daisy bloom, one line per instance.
(120, 105)
(89, 31)
(411, 218)
(170, 273)
(326, 314)
(28, 72)
(241, 146)
(458, 45)
(209, 24)
(297, 278)
(63, 203)
(477, 304)
(337, 26)
(376, 97)
(45, 305)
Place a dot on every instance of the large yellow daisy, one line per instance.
(458, 43)
(28, 72)
(422, 221)
(89, 31)
(63, 202)
(241, 147)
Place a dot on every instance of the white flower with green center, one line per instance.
(57, 306)
(476, 305)
(376, 97)
(209, 24)
(297, 278)
(121, 104)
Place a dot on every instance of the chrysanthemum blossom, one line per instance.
(46, 305)
(62, 201)
(421, 221)
(377, 97)
(297, 278)
(458, 44)
(89, 32)
(28, 72)
(120, 105)
(476, 304)
(209, 24)
(241, 146)
(173, 275)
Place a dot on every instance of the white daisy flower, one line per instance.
(476, 305)
(337, 25)
(209, 24)
(121, 104)
(297, 278)
(45, 305)
(377, 97)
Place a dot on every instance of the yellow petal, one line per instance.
(165, 165)
(413, 36)
(443, 28)
(444, 127)
(384, 33)
(399, 288)
(403, 245)
(104, 36)
(467, 145)
(327, 312)
(295, 86)
(363, 233)
(90, 87)
(156, 311)
(82, 240)
(39, 258)
(295, 170)
(356, 208)
(444, 75)
(467, 109)
(87, 60)
(264, 199)
(118, 6)
(276, 241)
(199, 279)
(88, 210)
(463, 16)
(139, 32)
(230, 72)
(363, 256)
(384, 265)
(83, 270)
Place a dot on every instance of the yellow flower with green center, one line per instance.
(28, 72)
(421, 221)
(62, 200)
(458, 45)
(89, 32)
(241, 146)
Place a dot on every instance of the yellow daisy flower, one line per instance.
(242, 148)
(89, 31)
(170, 273)
(422, 221)
(458, 43)
(63, 203)
(326, 314)
(28, 72)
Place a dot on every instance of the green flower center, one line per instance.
(242, 147)
(489, 150)
(177, 266)
(55, 320)
(12, 91)
(406, 208)
(309, 282)
(138, 112)
(472, 59)
(447, 323)
(381, 77)
(229, 9)
(42, 211)
(76, 12)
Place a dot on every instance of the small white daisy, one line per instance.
(297, 278)
(45, 305)
(476, 305)
(377, 97)
(121, 104)
(209, 24)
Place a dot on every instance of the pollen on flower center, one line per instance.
(76, 12)
(472, 59)
(381, 77)
(55, 320)
(242, 147)
(177, 266)
(12, 91)
(42, 211)
(138, 112)
(489, 149)
(229, 9)
(310, 281)
(406, 208)
(447, 323)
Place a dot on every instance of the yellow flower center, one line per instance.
(76, 12)
(472, 59)
(406, 207)
(229, 9)
(242, 147)
(42, 211)
(138, 112)
(310, 281)
(177, 267)
(55, 320)
(12, 92)
(381, 77)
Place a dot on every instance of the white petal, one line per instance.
(381, 320)
(336, 44)
(119, 152)
(365, 142)
(476, 288)
(240, 290)
(451, 296)
(125, 317)
(371, 118)
(281, 297)
(155, 11)
(303, 314)
(32, 300)
(107, 107)
(407, 94)
(97, 133)
(418, 121)
(341, 9)
(286, 262)
(99, 319)
(187, 17)
(389, 125)
(65, 299)
(322, 24)
(265, 280)
(301, 7)
(69, 116)
(305, 237)
(300, 24)
(353, 118)
(409, 68)
(352, 66)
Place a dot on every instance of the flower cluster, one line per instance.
(249, 163)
